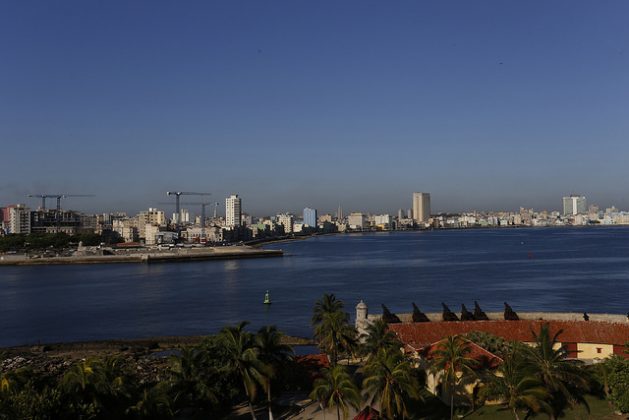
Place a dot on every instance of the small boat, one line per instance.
(267, 298)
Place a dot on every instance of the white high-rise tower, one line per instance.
(233, 211)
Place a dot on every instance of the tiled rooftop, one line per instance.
(419, 335)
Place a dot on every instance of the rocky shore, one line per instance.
(148, 355)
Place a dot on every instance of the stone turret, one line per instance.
(361, 316)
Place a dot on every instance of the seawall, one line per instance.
(178, 255)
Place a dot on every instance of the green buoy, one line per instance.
(267, 298)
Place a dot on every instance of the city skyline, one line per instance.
(234, 210)
(488, 106)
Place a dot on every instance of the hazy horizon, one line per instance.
(488, 106)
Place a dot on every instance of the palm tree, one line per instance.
(243, 359)
(515, 384)
(335, 334)
(564, 379)
(327, 304)
(273, 353)
(336, 389)
(452, 361)
(190, 379)
(379, 336)
(389, 379)
(154, 403)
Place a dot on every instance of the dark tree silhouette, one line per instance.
(388, 316)
(465, 314)
(419, 316)
(448, 315)
(479, 315)
(510, 314)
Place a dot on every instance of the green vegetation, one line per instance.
(336, 389)
(237, 367)
(516, 385)
(618, 382)
(451, 361)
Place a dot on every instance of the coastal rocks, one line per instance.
(13, 363)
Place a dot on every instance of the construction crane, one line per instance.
(202, 216)
(203, 205)
(177, 195)
(59, 197)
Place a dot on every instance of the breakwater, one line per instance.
(159, 256)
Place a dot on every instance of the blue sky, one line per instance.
(485, 104)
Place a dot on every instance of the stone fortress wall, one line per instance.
(363, 318)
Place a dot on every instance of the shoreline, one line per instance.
(116, 345)
(183, 255)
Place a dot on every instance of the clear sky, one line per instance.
(485, 104)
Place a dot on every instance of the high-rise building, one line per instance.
(310, 217)
(574, 204)
(19, 219)
(233, 211)
(286, 220)
(421, 207)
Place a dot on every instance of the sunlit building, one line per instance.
(421, 207)
(233, 211)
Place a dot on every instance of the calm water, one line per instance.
(583, 269)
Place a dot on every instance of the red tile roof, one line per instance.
(368, 413)
(485, 358)
(314, 361)
(422, 334)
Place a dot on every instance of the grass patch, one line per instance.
(599, 410)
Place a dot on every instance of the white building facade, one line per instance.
(233, 211)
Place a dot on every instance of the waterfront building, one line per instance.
(421, 207)
(150, 234)
(233, 211)
(19, 219)
(310, 217)
(151, 217)
(356, 221)
(383, 221)
(126, 228)
(325, 218)
(574, 204)
(287, 220)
